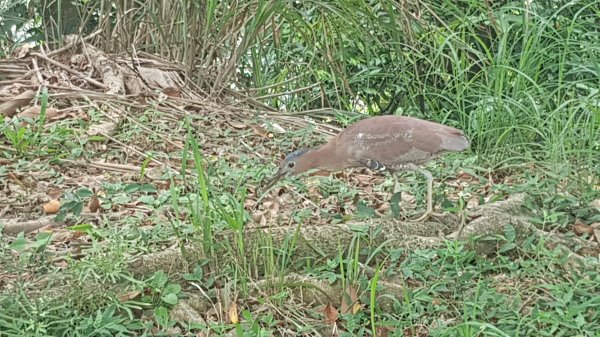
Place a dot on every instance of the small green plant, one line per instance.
(73, 202)
(22, 136)
(19, 136)
(164, 296)
(21, 316)
(199, 207)
(31, 252)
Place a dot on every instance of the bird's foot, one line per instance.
(428, 214)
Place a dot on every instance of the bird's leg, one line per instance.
(429, 212)
(396, 199)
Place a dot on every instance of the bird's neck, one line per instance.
(323, 158)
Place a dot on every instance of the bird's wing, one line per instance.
(399, 141)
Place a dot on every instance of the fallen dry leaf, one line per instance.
(78, 60)
(473, 202)
(257, 215)
(259, 218)
(94, 204)
(30, 112)
(233, 313)
(23, 51)
(597, 234)
(172, 92)
(273, 207)
(237, 125)
(103, 128)
(466, 177)
(382, 208)
(9, 108)
(416, 331)
(61, 264)
(263, 221)
(596, 228)
(356, 308)
(350, 303)
(595, 204)
(34, 111)
(249, 204)
(363, 179)
(129, 296)
(278, 128)
(78, 234)
(52, 79)
(156, 172)
(580, 228)
(331, 315)
(407, 199)
(382, 331)
(61, 235)
(313, 193)
(259, 130)
(51, 207)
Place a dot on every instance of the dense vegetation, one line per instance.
(522, 79)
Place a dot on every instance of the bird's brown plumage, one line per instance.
(380, 143)
(393, 141)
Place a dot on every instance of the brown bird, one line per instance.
(392, 143)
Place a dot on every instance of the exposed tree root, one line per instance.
(324, 241)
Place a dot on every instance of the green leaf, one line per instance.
(121, 199)
(132, 188)
(81, 227)
(509, 232)
(196, 275)
(172, 288)
(161, 314)
(170, 299)
(364, 210)
(78, 208)
(43, 236)
(395, 204)
(506, 247)
(147, 188)
(19, 244)
(158, 280)
(147, 199)
(84, 193)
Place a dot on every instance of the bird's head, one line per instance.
(294, 163)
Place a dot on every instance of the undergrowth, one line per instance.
(521, 79)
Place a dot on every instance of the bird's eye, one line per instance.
(291, 164)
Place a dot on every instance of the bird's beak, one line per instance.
(274, 179)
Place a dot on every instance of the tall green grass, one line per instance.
(535, 96)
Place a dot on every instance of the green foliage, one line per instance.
(18, 136)
(25, 134)
(73, 203)
(15, 27)
(22, 316)
(164, 296)
(521, 78)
